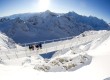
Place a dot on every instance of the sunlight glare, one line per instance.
(43, 5)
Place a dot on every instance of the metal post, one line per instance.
(71, 43)
(16, 52)
(43, 42)
(61, 51)
(7, 56)
(0, 51)
(0, 59)
(25, 50)
(66, 38)
(46, 50)
(63, 46)
(56, 47)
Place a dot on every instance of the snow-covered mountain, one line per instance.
(109, 24)
(31, 27)
(6, 42)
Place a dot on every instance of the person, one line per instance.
(40, 45)
(31, 47)
(37, 46)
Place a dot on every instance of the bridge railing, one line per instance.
(24, 50)
(47, 41)
(48, 46)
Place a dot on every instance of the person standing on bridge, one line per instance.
(31, 47)
(37, 46)
(40, 45)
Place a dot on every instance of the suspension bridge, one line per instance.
(49, 46)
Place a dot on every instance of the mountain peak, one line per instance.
(47, 11)
(72, 13)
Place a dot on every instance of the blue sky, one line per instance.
(98, 8)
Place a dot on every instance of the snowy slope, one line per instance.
(98, 69)
(23, 28)
(6, 42)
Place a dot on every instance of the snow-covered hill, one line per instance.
(6, 42)
(32, 27)
(29, 68)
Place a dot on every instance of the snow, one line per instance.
(32, 27)
(6, 42)
(109, 24)
(97, 69)
(50, 47)
(87, 59)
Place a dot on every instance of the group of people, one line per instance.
(35, 46)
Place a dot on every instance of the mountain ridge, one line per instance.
(32, 27)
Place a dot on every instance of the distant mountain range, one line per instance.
(32, 27)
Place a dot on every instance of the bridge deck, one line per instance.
(49, 47)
